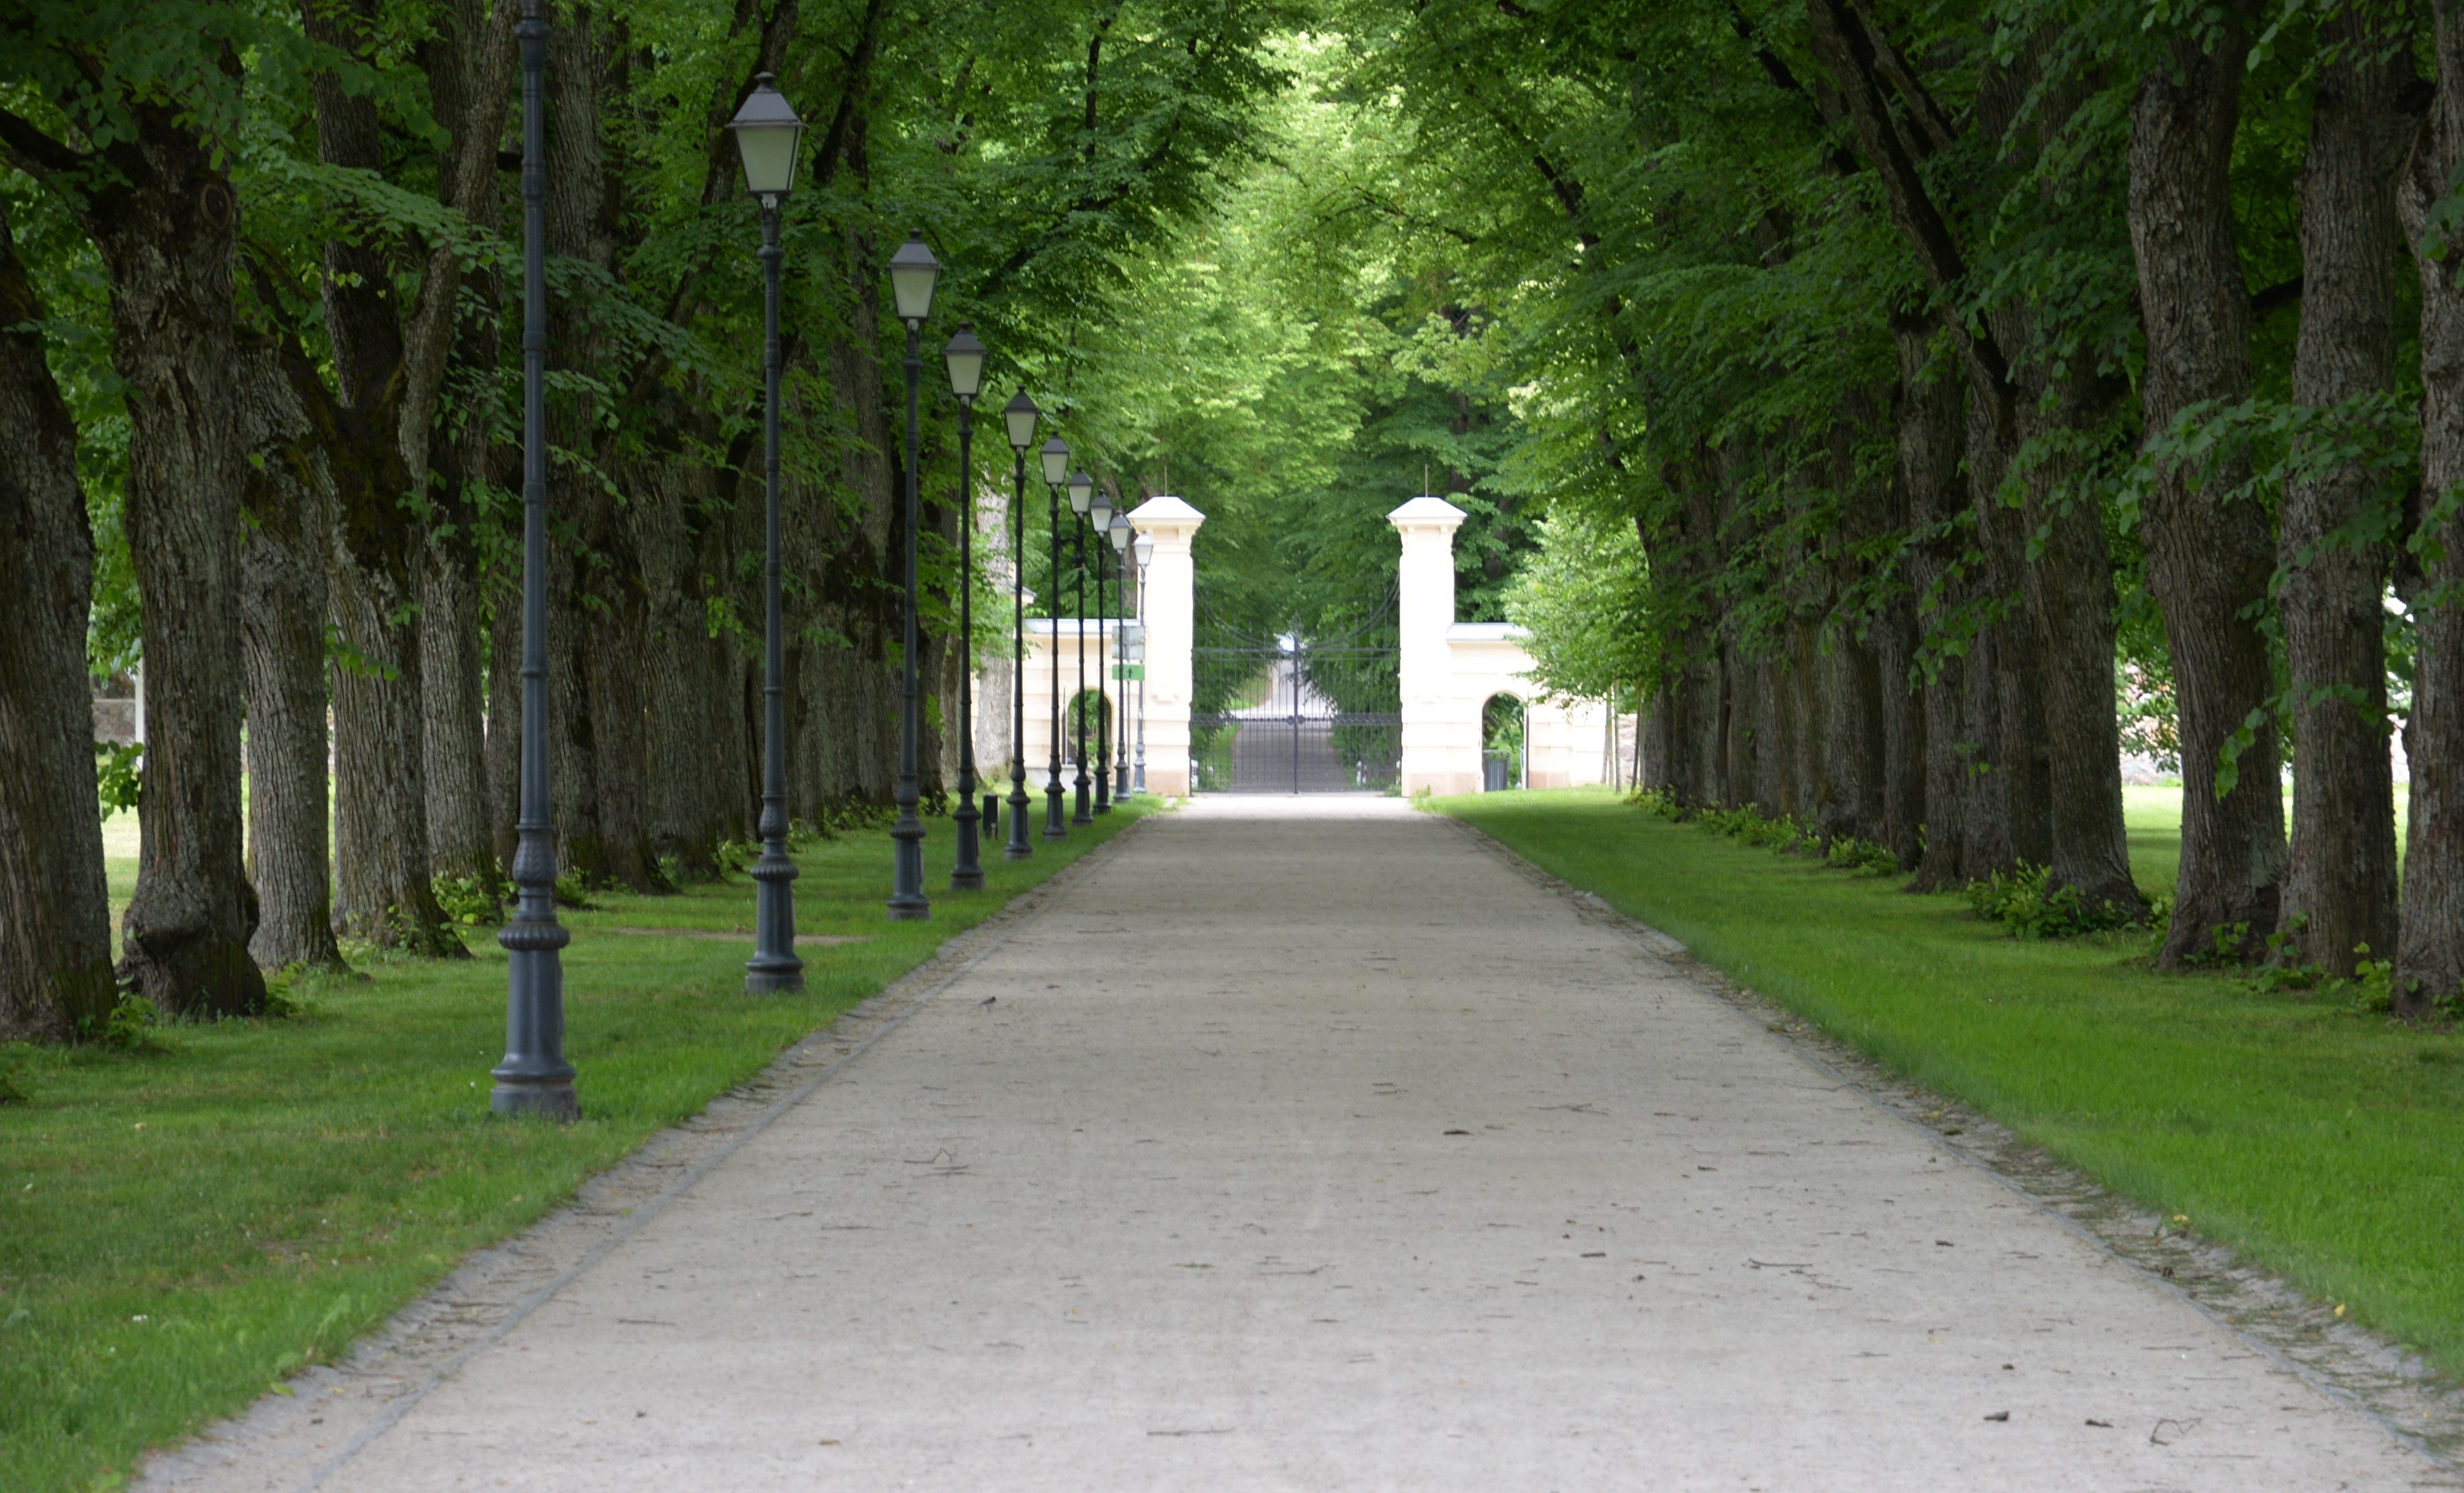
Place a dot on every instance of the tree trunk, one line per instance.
(2341, 883)
(166, 238)
(453, 650)
(683, 757)
(289, 499)
(2209, 558)
(56, 980)
(1990, 841)
(454, 743)
(504, 719)
(380, 750)
(1931, 416)
(2070, 594)
(2430, 944)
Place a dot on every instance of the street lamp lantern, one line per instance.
(1119, 533)
(1056, 472)
(1143, 546)
(913, 272)
(767, 134)
(1082, 495)
(1099, 513)
(1020, 415)
(965, 357)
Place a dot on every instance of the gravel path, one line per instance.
(1301, 1144)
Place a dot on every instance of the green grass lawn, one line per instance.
(179, 1229)
(2316, 1141)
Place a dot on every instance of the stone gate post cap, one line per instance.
(1165, 511)
(1426, 512)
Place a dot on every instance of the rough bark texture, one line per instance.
(2429, 943)
(452, 685)
(166, 238)
(283, 588)
(1930, 425)
(2070, 599)
(56, 980)
(504, 721)
(380, 752)
(2340, 886)
(2209, 559)
(1991, 841)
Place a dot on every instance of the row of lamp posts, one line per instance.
(534, 1078)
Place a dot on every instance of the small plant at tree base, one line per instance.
(1852, 855)
(2280, 971)
(10, 1090)
(2373, 982)
(573, 890)
(736, 855)
(130, 1025)
(470, 900)
(2025, 900)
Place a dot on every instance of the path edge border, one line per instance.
(497, 1287)
(2363, 1371)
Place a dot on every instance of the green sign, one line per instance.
(1129, 671)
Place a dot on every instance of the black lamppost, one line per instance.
(1119, 534)
(1082, 488)
(1056, 472)
(533, 1078)
(1143, 549)
(1099, 519)
(965, 357)
(767, 133)
(1020, 415)
(912, 270)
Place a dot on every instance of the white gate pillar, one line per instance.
(1425, 608)
(1171, 600)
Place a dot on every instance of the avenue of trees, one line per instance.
(1953, 361)
(259, 375)
(1872, 390)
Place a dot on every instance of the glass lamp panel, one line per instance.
(965, 357)
(1082, 489)
(1144, 547)
(1056, 461)
(1020, 414)
(913, 272)
(1120, 533)
(1099, 513)
(769, 155)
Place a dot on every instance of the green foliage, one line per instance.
(1584, 597)
(2025, 900)
(1850, 853)
(2373, 983)
(470, 900)
(11, 1091)
(119, 775)
(131, 1025)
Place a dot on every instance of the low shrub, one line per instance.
(2026, 902)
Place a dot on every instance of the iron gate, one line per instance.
(1293, 714)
